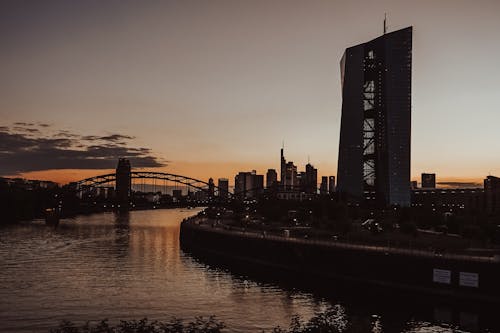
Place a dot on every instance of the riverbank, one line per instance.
(456, 275)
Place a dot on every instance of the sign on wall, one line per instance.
(441, 276)
(469, 279)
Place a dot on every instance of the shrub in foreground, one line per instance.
(175, 325)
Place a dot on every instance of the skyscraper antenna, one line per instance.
(308, 159)
(283, 144)
(385, 23)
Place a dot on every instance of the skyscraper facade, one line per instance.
(311, 184)
(492, 194)
(282, 169)
(223, 185)
(123, 182)
(374, 150)
(291, 182)
(428, 180)
(248, 184)
(323, 187)
(271, 178)
(331, 184)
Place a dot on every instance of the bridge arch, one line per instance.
(95, 181)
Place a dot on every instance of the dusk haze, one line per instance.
(212, 88)
(249, 166)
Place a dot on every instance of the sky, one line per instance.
(209, 88)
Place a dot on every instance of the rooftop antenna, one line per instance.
(283, 144)
(385, 23)
(308, 159)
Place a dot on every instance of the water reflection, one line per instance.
(130, 265)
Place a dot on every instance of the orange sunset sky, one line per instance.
(209, 88)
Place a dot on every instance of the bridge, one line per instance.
(124, 179)
(159, 180)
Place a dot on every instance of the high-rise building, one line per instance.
(123, 182)
(331, 184)
(428, 180)
(311, 183)
(242, 183)
(248, 184)
(323, 187)
(271, 178)
(211, 188)
(291, 182)
(301, 179)
(223, 185)
(257, 183)
(282, 169)
(413, 185)
(492, 195)
(374, 150)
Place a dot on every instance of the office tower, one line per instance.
(223, 185)
(302, 181)
(271, 178)
(291, 182)
(311, 183)
(248, 184)
(428, 180)
(323, 187)
(413, 185)
(123, 182)
(492, 194)
(283, 170)
(257, 183)
(242, 183)
(331, 184)
(374, 150)
(211, 188)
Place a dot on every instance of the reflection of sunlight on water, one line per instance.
(124, 266)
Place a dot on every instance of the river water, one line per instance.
(130, 266)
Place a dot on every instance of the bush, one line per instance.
(175, 325)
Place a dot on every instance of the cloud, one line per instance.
(20, 123)
(24, 148)
(111, 138)
(460, 184)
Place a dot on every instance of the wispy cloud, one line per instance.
(24, 148)
(459, 184)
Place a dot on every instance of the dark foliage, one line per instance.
(175, 325)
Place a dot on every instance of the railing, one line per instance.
(213, 226)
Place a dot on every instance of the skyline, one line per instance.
(268, 71)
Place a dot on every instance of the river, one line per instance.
(130, 266)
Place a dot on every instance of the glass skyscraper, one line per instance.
(375, 134)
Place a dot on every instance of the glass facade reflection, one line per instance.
(374, 152)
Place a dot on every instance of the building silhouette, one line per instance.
(123, 182)
(323, 187)
(466, 200)
(282, 169)
(428, 180)
(311, 181)
(331, 184)
(492, 195)
(374, 150)
(271, 178)
(223, 185)
(291, 181)
(211, 188)
(248, 184)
